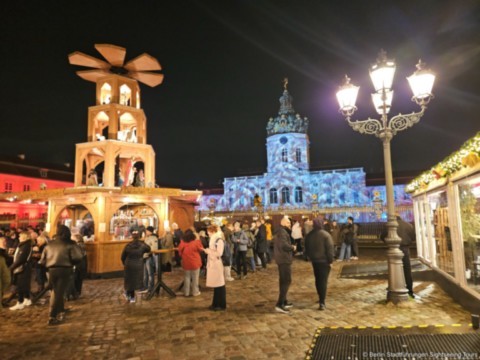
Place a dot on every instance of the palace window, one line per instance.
(298, 155)
(298, 195)
(26, 187)
(285, 195)
(273, 196)
(8, 187)
(284, 155)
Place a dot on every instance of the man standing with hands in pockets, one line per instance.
(283, 255)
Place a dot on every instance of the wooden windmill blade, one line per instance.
(138, 68)
(144, 62)
(92, 75)
(115, 55)
(81, 59)
(147, 78)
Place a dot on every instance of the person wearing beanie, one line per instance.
(59, 257)
(319, 249)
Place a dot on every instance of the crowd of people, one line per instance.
(218, 252)
(215, 252)
(58, 265)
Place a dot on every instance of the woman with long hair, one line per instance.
(215, 273)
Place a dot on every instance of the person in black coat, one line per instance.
(319, 249)
(133, 262)
(283, 254)
(22, 271)
(406, 233)
(261, 243)
(59, 257)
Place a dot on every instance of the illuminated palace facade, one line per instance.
(289, 186)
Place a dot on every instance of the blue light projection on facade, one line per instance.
(289, 185)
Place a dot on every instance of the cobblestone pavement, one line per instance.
(103, 326)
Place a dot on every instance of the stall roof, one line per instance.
(466, 157)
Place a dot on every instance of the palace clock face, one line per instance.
(283, 140)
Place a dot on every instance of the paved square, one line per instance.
(103, 326)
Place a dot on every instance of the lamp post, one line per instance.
(421, 83)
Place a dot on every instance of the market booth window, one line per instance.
(441, 231)
(434, 239)
(447, 217)
(131, 215)
(469, 195)
(79, 220)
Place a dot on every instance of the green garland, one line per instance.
(450, 165)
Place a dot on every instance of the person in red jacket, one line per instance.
(189, 249)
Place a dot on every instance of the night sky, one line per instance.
(224, 62)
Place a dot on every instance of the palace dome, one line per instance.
(287, 121)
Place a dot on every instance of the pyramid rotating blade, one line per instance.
(144, 62)
(79, 58)
(115, 55)
(92, 75)
(150, 79)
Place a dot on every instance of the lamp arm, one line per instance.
(369, 126)
(401, 122)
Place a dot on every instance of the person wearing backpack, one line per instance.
(240, 241)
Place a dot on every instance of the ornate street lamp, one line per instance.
(421, 83)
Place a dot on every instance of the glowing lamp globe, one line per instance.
(382, 72)
(421, 82)
(382, 101)
(347, 97)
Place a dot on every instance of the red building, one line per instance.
(20, 175)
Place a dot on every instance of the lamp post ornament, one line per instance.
(421, 83)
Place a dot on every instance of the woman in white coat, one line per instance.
(215, 273)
